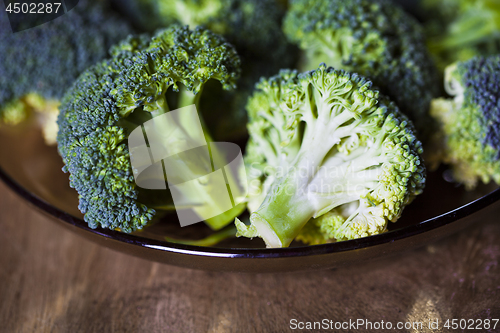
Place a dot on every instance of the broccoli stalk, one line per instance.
(329, 142)
(144, 78)
(199, 190)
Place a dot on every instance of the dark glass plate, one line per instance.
(33, 170)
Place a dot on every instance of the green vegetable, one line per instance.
(469, 136)
(376, 39)
(144, 78)
(325, 146)
(461, 29)
(252, 26)
(45, 60)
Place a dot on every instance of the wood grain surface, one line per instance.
(55, 281)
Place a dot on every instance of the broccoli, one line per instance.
(14, 112)
(469, 136)
(325, 146)
(461, 29)
(45, 60)
(47, 110)
(252, 26)
(376, 39)
(144, 78)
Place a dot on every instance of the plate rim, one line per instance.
(256, 253)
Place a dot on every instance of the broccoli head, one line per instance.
(469, 137)
(461, 29)
(327, 151)
(253, 27)
(144, 78)
(376, 39)
(47, 59)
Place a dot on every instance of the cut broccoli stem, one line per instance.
(187, 98)
(283, 213)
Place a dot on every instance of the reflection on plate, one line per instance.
(33, 170)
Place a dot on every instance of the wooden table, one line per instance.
(55, 281)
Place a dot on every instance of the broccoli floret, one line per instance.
(144, 78)
(253, 27)
(14, 112)
(376, 39)
(458, 30)
(469, 136)
(325, 142)
(46, 59)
